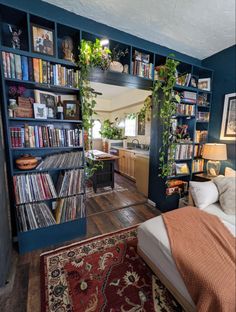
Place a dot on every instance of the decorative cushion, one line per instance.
(229, 172)
(203, 193)
(227, 193)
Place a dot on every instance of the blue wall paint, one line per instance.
(49, 11)
(224, 66)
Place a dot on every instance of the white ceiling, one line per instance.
(198, 28)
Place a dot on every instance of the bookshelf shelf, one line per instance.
(45, 148)
(49, 120)
(17, 171)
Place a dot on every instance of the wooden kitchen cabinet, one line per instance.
(127, 163)
(142, 173)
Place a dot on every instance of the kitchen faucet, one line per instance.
(137, 142)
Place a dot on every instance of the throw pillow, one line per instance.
(203, 193)
(229, 172)
(227, 193)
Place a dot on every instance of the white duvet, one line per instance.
(154, 242)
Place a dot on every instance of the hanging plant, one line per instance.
(92, 55)
(166, 110)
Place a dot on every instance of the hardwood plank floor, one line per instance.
(106, 216)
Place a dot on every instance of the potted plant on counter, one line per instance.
(110, 132)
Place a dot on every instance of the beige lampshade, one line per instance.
(214, 151)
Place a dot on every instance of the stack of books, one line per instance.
(33, 187)
(70, 182)
(201, 136)
(70, 208)
(183, 151)
(141, 66)
(62, 160)
(185, 109)
(203, 116)
(34, 216)
(43, 136)
(198, 165)
(21, 67)
(198, 149)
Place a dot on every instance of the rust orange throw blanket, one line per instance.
(204, 253)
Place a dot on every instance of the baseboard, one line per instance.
(150, 202)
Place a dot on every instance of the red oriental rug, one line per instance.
(102, 274)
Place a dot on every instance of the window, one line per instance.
(130, 126)
(96, 129)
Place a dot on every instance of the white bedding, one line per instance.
(154, 242)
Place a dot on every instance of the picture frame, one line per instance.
(71, 109)
(40, 111)
(47, 98)
(193, 81)
(204, 84)
(181, 168)
(141, 126)
(228, 124)
(42, 40)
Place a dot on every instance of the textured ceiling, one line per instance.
(198, 28)
(108, 91)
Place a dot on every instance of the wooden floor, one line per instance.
(106, 213)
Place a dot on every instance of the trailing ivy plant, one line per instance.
(166, 108)
(92, 55)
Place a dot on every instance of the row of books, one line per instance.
(201, 136)
(185, 109)
(70, 208)
(33, 187)
(142, 69)
(203, 116)
(186, 97)
(198, 165)
(34, 69)
(70, 182)
(62, 160)
(43, 136)
(184, 79)
(198, 149)
(183, 151)
(34, 216)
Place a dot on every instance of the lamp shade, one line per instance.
(214, 151)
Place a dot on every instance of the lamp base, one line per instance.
(213, 168)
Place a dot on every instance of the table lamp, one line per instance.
(214, 153)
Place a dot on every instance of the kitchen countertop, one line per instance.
(138, 151)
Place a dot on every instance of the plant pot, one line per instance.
(116, 66)
(26, 162)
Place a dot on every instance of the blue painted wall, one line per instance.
(224, 81)
(49, 11)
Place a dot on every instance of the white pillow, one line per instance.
(229, 172)
(203, 193)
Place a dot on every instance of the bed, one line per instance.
(154, 248)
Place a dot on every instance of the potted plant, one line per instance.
(116, 55)
(111, 131)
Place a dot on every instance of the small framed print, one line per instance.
(42, 40)
(204, 84)
(71, 109)
(228, 124)
(40, 111)
(193, 81)
(181, 168)
(47, 98)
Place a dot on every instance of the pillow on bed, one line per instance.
(203, 193)
(229, 172)
(227, 193)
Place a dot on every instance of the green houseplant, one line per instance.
(111, 131)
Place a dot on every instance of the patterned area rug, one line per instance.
(104, 190)
(102, 274)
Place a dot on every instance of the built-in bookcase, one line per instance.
(56, 233)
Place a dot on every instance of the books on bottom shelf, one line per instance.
(70, 182)
(34, 216)
(183, 151)
(62, 160)
(69, 209)
(198, 165)
(33, 187)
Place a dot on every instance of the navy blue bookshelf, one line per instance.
(65, 23)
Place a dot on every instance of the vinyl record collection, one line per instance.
(70, 182)
(62, 160)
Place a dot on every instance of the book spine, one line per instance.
(24, 68)
(36, 69)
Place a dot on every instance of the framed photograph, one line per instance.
(204, 84)
(181, 168)
(47, 98)
(42, 40)
(228, 124)
(193, 81)
(71, 110)
(141, 126)
(40, 111)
